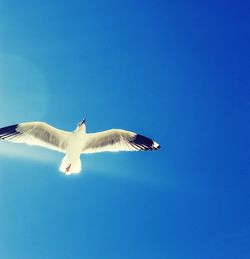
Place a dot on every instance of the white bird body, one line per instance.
(75, 143)
(73, 151)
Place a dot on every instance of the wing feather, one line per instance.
(36, 133)
(117, 140)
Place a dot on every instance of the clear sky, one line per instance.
(176, 71)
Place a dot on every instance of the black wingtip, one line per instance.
(144, 143)
(8, 131)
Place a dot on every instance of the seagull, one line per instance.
(75, 143)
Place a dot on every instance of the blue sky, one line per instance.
(176, 71)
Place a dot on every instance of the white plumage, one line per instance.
(75, 143)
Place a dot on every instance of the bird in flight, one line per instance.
(75, 143)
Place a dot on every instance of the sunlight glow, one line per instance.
(20, 151)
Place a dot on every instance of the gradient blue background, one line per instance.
(176, 71)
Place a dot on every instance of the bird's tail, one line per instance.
(71, 166)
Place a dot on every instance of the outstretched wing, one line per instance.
(117, 140)
(36, 133)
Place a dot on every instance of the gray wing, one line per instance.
(36, 133)
(117, 140)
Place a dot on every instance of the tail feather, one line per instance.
(70, 166)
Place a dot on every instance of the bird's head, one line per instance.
(81, 126)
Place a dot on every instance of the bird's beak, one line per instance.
(83, 121)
